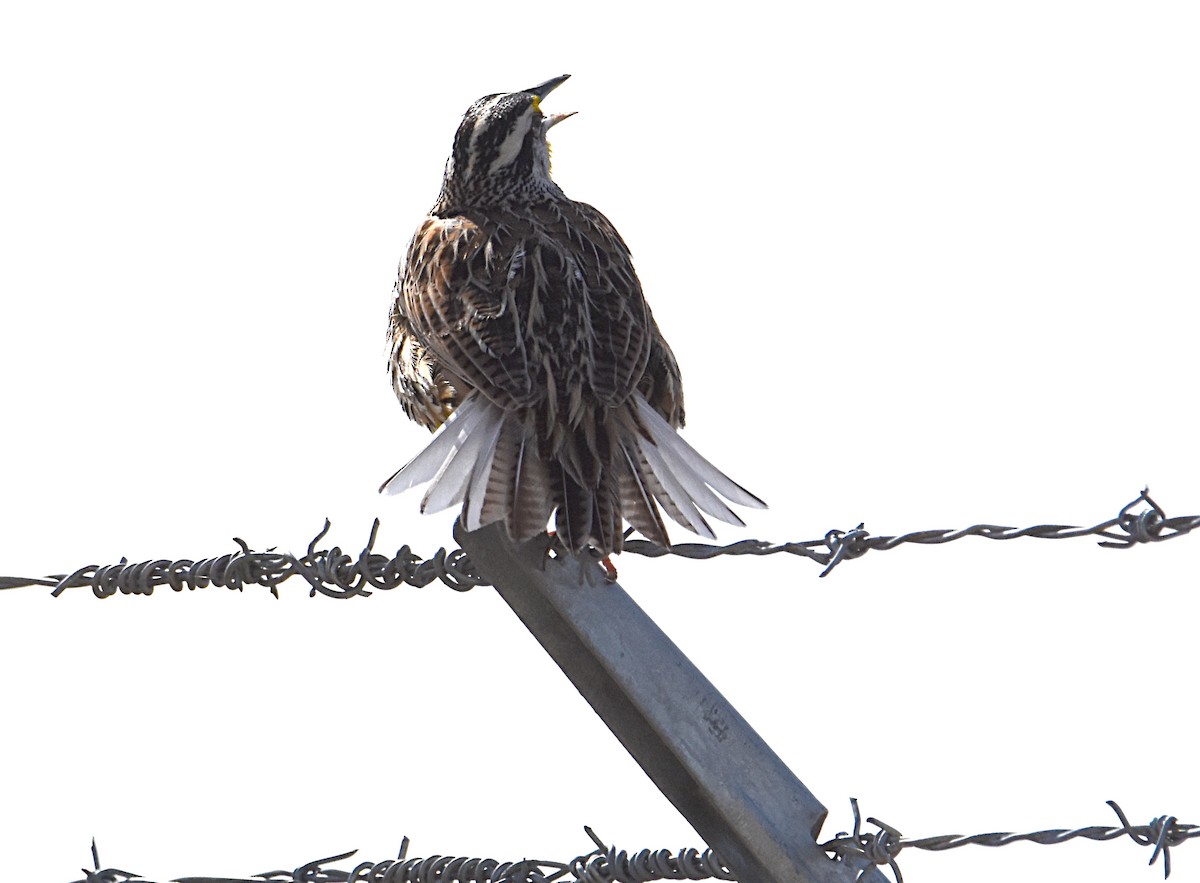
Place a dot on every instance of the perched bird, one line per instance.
(519, 327)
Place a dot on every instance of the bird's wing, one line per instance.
(653, 370)
(426, 392)
(661, 384)
(607, 325)
(457, 299)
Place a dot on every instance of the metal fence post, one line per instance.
(703, 755)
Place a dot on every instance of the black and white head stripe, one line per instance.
(494, 132)
(500, 147)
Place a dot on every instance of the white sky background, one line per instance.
(923, 265)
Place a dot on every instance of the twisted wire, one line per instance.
(330, 572)
(434, 869)
(1126, 530)
(336, 574)
(605, 864)
(882, 846)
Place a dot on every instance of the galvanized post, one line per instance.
(707, 760)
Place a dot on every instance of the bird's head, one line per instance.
(500, 152)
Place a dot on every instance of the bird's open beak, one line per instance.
(544, 89)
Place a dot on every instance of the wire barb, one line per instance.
(105, 875)
(879, 848)
(1162, 833)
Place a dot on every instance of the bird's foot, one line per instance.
(557, 548)
(610, 569)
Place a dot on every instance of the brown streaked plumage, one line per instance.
(519, 324)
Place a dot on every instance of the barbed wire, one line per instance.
(882, 846)
(607, 864)
(1124, 531)
(330, 572)
(336, 574)
(604, 864)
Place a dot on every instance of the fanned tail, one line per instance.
(494, 464)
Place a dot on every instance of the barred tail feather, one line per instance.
(688, 493)
(524, 502)
(688, 480)
(639, 490)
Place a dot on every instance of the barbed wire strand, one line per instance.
(335, 574)
(883, 846)
(606, 864)
(602, 865)
(1126, 530)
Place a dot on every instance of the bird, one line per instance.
(520, 334)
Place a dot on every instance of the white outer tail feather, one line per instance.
(460, 458)
(688, 463)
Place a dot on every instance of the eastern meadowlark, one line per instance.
(519, 326)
